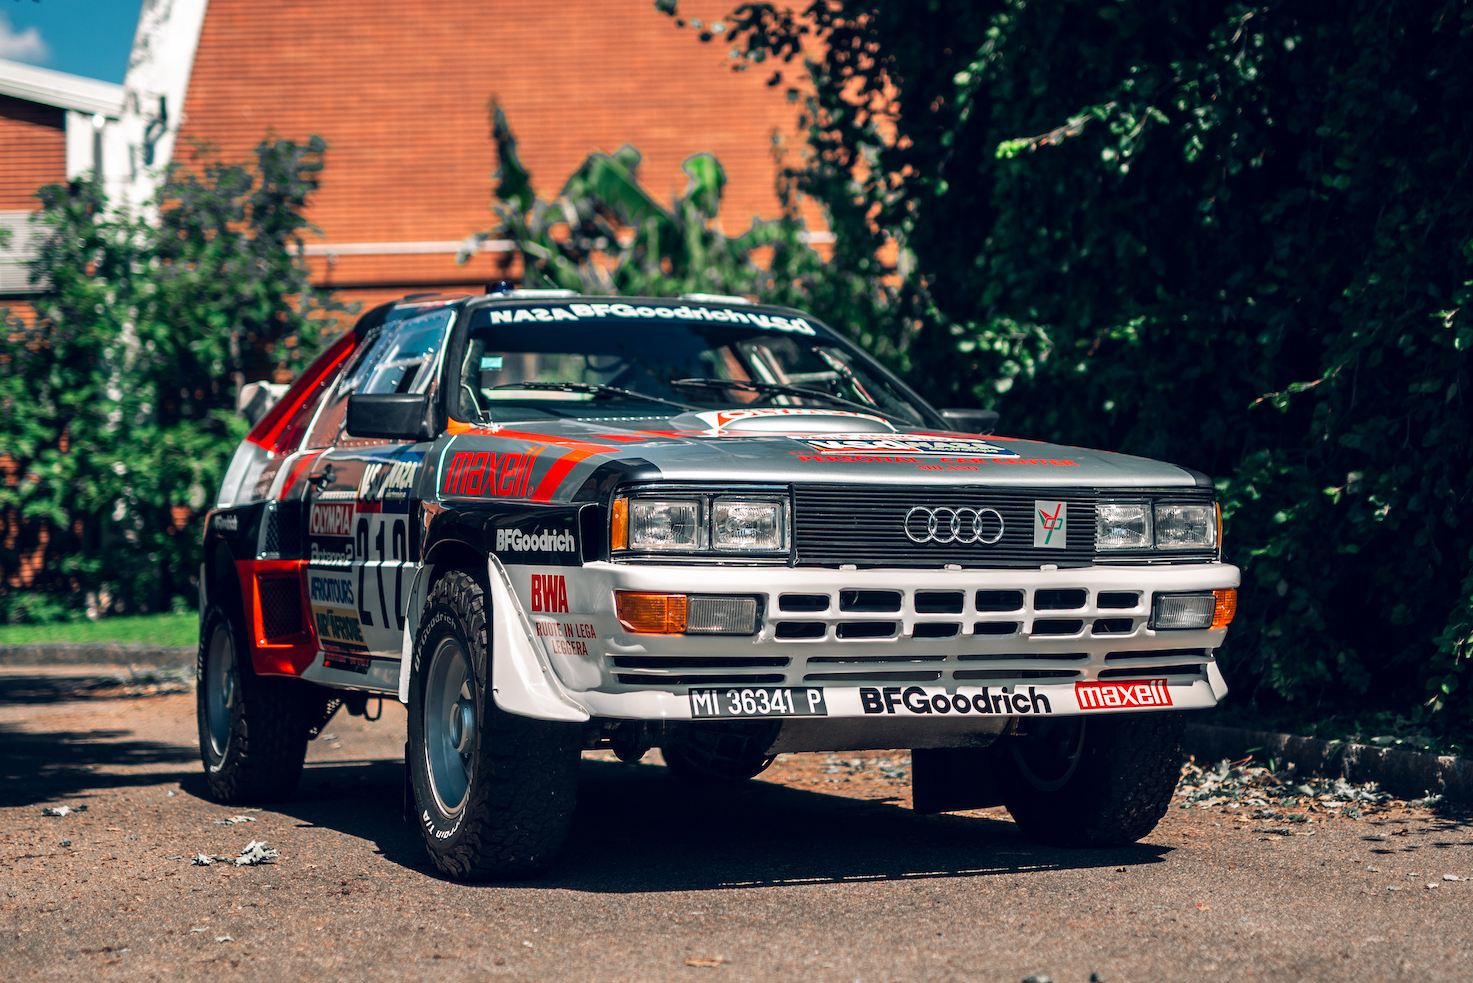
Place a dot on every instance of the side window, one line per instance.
(296, 426)
(399, 358)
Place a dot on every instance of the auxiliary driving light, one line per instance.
(677, 614)
(1177, 612)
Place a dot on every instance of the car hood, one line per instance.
(783, 445)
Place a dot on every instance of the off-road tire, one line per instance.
(1127, 767)
(520, 774)
(256, 755)
(719, 751)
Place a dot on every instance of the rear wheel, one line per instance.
(493, 791)
(726, 751)
(252, 729)
(1091, 781)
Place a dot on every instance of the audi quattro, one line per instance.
(549, 523)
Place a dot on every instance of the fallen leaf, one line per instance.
(705, 962)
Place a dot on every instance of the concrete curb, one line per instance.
(1405, 774)
(96, 653)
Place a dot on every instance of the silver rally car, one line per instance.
(549, 523)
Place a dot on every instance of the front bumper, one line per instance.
(886, 644)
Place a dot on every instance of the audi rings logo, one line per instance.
(924, 524)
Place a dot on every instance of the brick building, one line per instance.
(400, 88)
(52, 127)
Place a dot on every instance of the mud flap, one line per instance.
(953, 779)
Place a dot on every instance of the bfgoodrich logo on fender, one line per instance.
(1123, 696)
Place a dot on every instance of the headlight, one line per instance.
(1145, 526)
(748, 526)
(698, 523)
(660, 524)
(1186, 527)
(1123, 526)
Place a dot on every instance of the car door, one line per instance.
(363, 542)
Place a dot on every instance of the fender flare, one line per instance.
(521, 680)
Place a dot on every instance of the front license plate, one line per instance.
(758, 701)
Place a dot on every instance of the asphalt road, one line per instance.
(816, 871)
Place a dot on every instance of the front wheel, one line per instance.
(252, 730)
(493, 791)
(1092, 781)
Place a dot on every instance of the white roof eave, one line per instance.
(42, 85)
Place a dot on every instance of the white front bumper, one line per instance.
(580, 663)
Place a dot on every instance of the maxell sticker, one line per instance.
(883, 443)
(335, 519)
(1122, 696)
(487, 473)
(1050, 525)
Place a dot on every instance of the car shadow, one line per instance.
(638, 830)
(46, 766)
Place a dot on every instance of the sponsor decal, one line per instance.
(342, 660)
(719, 420)
(550, 593)
(915, 700)
(332, 557)
(338, 628)
(576, 312)
(506, 475)
(1123, 695)
(227, 523)
(542, 541)
(945, 464)
(566, 638)
(1050, 525)
(331, 519)
(386, 485)
(883, 443)
(334, 591)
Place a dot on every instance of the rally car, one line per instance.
(550, 523)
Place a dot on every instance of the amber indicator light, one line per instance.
(1226, 607)
(651, 614)
(619, 524)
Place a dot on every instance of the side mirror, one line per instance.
(391, 416)
(972, 421)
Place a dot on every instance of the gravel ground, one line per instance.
(818, 870)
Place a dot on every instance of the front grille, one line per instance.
(834, 524)
(930, 635)
(281, 606)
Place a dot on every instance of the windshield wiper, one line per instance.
(593, 389)
(777, 389)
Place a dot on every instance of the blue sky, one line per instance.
(83, 37)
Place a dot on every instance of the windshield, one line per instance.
(657, 364)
